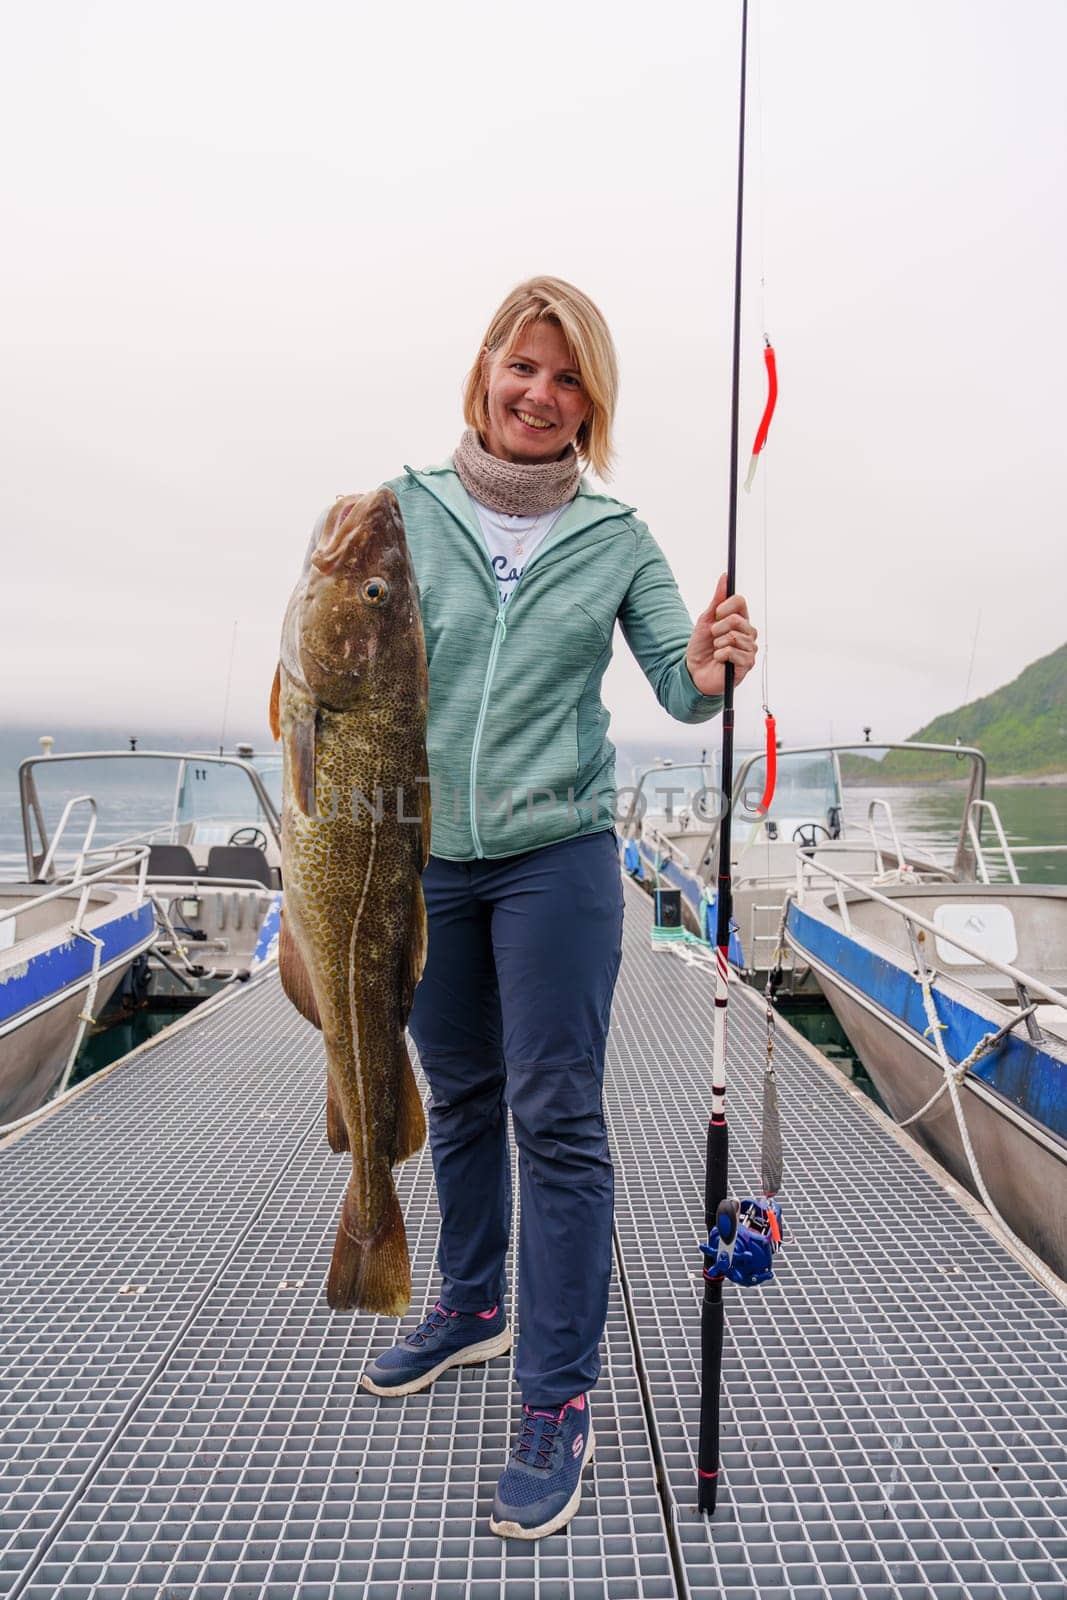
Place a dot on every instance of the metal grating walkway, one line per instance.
(895, 1417)
(204, 1436)
(179, 1417)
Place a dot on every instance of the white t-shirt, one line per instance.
(511, 541)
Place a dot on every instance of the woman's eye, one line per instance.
(571, 381)
(521, 366)
(374, 591)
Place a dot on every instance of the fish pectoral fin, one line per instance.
(414, 951)
(275, 711)
(370, 1274)
(410, 1116)
(300, 735)
(296, 980)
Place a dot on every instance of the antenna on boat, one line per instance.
(974, 647)
(226, 701)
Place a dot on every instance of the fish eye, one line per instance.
(375, 591)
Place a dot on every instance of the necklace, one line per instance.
(502, 521)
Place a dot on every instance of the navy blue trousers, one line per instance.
(512, 1011)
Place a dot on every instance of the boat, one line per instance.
(954, 997)
(669, 831)
(64, 950)
(213, 872)
(178, 907)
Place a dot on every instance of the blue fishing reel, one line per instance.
(744, 1241)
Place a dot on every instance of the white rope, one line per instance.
(957, 1070)
(953, 1074)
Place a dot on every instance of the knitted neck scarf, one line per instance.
(514, 487)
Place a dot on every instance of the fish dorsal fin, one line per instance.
(296, 981)
(275, 712)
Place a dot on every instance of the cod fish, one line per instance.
(349, 705)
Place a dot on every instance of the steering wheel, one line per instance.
(253, 836)
(807, 835)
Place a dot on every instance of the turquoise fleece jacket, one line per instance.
(518, 734)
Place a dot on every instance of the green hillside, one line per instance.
(1022, 728)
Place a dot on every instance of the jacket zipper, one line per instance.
(499, 635)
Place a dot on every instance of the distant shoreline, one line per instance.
(1039, 780)
(1028, 780)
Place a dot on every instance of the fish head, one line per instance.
(359, 611)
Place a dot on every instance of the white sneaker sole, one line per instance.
(471, 1356)
(513, 1530)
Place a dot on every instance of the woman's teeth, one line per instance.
(532, 422)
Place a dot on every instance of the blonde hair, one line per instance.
(582, 325)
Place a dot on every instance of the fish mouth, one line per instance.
(353, 520)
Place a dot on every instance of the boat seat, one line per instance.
(239, 861)
(171, 861)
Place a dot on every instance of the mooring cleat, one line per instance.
(744, 1241)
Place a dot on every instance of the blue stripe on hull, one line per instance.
(70, 961)
(1027, 1076)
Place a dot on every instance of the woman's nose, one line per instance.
(539, 391)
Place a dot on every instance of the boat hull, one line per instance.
(1023, 1162)
(33, 1056)
(45, 984)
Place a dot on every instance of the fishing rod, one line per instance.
(742, 1235)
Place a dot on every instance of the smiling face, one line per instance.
(534, 397)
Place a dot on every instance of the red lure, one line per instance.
(768, 410)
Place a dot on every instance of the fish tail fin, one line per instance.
(336, 1129)
(410, 1117)
(371, 1274)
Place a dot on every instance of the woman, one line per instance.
(523, 571)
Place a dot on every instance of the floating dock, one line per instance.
(179, 1411)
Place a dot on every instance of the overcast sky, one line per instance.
(250, 250)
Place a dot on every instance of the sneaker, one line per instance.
(446, 1339)
(541, 1486)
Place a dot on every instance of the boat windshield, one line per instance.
(214, 799)
(143, 796)
(677, 795)
(806, 790)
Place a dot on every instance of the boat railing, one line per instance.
(898, 848)
(90, 828)
(1024, 983)
(84, 880)
(207, 885)
(80, 877)
(974, 828)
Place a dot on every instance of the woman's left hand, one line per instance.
(722, 633)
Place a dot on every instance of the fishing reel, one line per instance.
(744, 1241)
